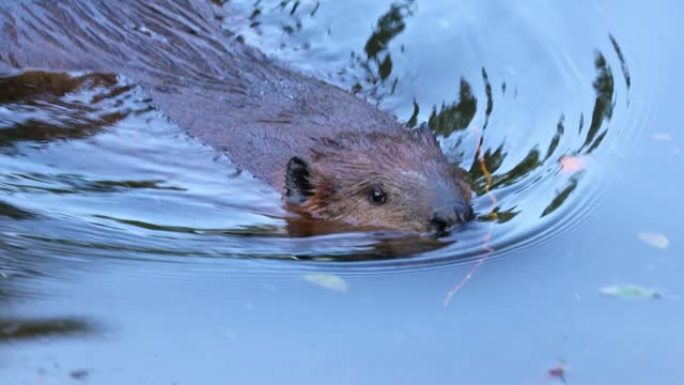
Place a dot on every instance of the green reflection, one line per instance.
(560, 197)
(623, 62)
(603, 106)
(553, 145)
(10, 211)
(389, 26)
(377, 65)
(74, 184)
(45, 106)
(485, 172)
(455, 116)
(13, 329)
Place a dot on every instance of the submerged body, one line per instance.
(332, 155)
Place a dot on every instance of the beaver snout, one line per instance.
(450, 207)
(442, 222)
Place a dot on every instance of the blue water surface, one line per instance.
(131, 253)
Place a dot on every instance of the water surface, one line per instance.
(132, 253)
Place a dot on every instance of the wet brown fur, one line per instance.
(233, 98)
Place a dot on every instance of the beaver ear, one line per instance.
(298, 180)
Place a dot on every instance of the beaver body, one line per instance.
(281, 126)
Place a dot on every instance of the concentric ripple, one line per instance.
(91, 170)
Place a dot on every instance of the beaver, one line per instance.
(332, 155)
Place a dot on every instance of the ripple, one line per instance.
(90, 170)
(500, 127)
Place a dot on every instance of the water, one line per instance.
(132, 253)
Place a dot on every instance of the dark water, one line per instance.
(132, 254)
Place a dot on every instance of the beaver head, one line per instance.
(398, 181)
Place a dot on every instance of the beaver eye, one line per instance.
(377, 195)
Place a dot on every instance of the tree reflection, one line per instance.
(45, 106)
(9, 211)
(604, 87)
(485, 170)
(14, 329)
(19, 269)
(290, 7)
(560, 197)
(455, 116)
(377, 64)
(603, 106)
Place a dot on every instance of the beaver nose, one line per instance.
(440, 223)
(464, 213)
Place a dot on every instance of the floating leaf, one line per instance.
(572, 164)
(558, 372)
(630, 291)
(654, 239)
(328, 281)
